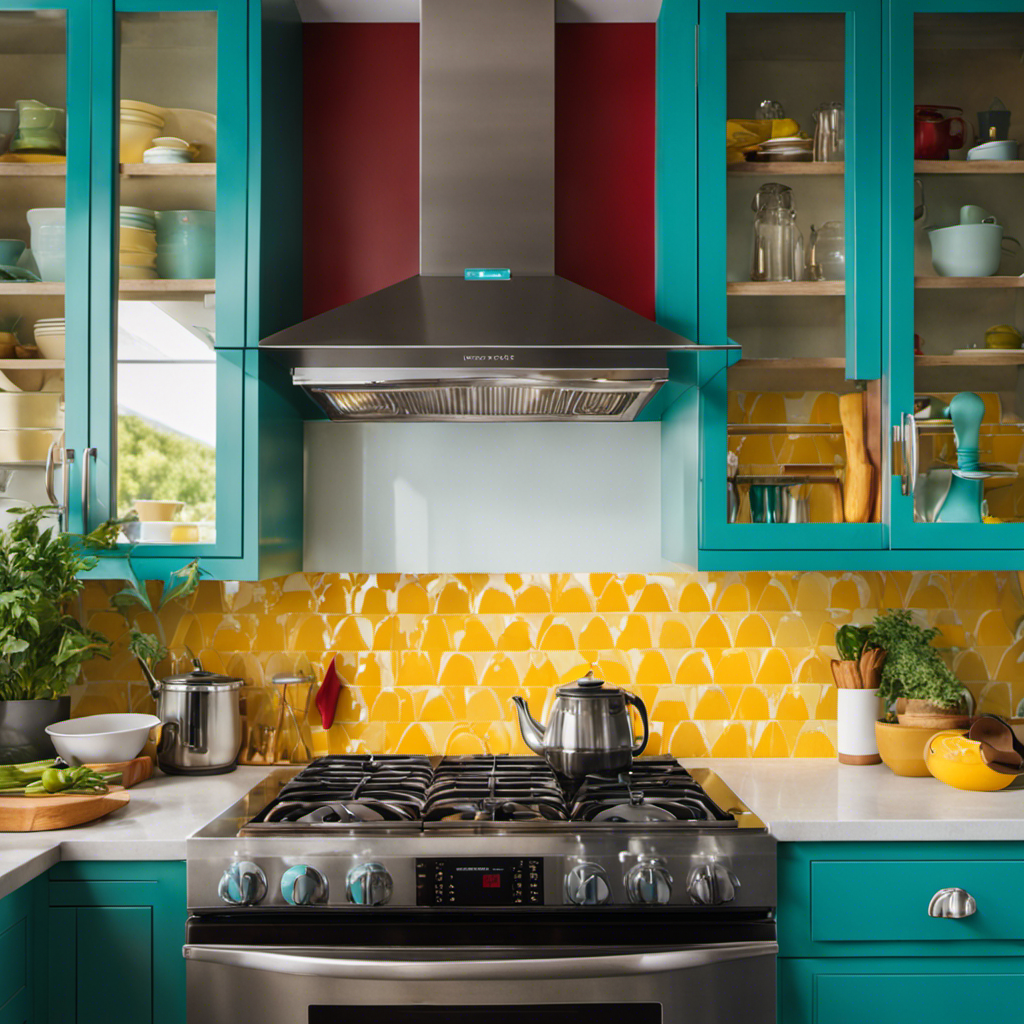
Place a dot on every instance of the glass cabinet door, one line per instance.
(789, 233)
(44, 239)
(173, 242)
(956, 224)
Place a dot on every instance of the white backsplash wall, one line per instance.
(483, 497)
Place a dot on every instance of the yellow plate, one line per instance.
(956, 760)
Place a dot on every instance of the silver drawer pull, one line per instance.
(952, 903)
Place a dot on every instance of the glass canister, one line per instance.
(777, 252)
(830, 133)
(826, 260)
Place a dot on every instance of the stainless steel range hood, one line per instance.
(450, 344)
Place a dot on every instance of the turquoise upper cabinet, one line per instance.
(804, 305)
(957, 460)
(44, 206)
(192, 263)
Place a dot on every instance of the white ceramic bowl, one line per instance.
(101, 739)
(997, 149)
(50, 345)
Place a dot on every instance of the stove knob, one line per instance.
(243, 884)
(648, 882)
(711, 885)
(587, 885)
(369, 885)
(302, 886)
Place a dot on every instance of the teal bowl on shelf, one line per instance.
(186, 262)
(10, 251)
(180, 227)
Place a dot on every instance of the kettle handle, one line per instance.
(639, 705)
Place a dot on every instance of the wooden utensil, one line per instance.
(137, 770)
(858, 501)
(45, 813)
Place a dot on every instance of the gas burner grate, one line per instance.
(656, 789)
(351, 789)
(494, 788)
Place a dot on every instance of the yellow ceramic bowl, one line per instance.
(955, 760)
(902, 747)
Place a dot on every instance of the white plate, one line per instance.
(984, 353)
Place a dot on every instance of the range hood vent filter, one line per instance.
(487, 399)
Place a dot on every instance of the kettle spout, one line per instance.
(532, 731)
(154, 683)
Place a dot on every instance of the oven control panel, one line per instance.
(475, 882)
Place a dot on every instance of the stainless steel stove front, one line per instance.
(718, 983)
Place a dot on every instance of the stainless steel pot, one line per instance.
(589, 728)
(201, 730)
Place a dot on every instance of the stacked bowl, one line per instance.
(185, 244)
(141, 123)
(46, 225)
(137, 251)
(49, 335)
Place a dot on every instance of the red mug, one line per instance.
(935, 135)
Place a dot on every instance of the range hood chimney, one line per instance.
(486, 330)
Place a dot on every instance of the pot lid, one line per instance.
(588, 686)
(200, 677)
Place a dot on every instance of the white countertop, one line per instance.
(162, 813)
(799, 800)
(804, 800)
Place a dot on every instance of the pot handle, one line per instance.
(956, 141)
(167, 736)
(639, 705)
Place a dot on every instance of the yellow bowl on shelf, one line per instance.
(956, 760)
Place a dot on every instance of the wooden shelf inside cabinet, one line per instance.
(946, 283)
(33, 170)
(31, 364)
(752, 429)
(991, 357)
(805, 288)
(168, 170)
(163, 288)
(770, 169)
(969, 166)
(788, 365)
(31, 287)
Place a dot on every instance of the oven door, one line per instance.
(700, 984)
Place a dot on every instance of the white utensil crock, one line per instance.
(857, 714)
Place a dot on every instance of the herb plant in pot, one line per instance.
(927, 696)
(42, 644)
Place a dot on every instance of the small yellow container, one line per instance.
(956, 760)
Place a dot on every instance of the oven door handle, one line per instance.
(277, 961)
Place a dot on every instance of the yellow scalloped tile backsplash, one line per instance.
(728, 664)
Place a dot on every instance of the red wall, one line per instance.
(361, 155)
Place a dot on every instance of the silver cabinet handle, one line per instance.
(50, 493)
(908, 437)
(952, 903)
(318, 962)
(65, 479)
(88, 457)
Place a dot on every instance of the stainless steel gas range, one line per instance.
(417, 890)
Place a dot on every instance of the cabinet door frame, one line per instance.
(232, 262)
(976, 539)
(863, 288)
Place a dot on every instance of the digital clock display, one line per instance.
(465, 882)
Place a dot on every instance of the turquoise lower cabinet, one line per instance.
(120, 927)
(18, 938)
(857, 943)
(900, 991)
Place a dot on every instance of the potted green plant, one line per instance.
(857, 673)
(42, 643)
(914, 678)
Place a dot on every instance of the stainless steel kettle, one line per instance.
(589, 728)
(201, 726)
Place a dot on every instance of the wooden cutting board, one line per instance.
(137, 770)
(45, 813)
